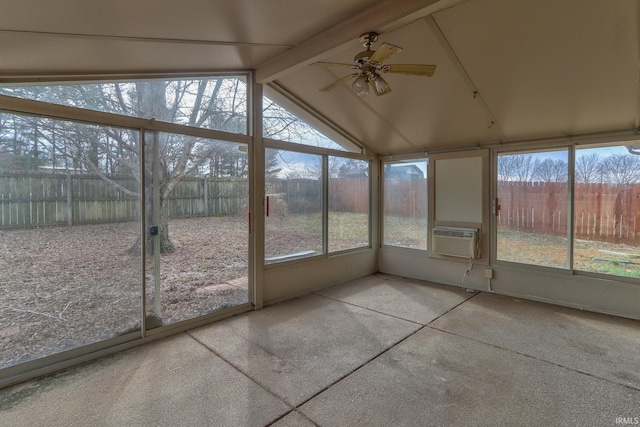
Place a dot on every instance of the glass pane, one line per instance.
(69, 216)
(218, 103)
(279, 123)
(293, 187)
(533, 198)
(405, 204)
(607, 211)
(197, 197)
(348, 203)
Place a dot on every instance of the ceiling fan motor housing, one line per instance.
(367, 39)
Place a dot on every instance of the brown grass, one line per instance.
(65, 287)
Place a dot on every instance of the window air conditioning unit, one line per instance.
(455, 241)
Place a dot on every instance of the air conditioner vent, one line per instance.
(455, 241)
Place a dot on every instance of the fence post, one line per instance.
(205, 196)
(69, 201)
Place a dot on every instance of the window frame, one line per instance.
(324, 153)
(13, 105)
(571, 146)
(569, 206)
(401, 160)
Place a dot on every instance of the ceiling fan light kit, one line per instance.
(360, 85)
(380, 85)
(369, 65)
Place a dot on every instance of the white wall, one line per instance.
(599, 295)
(287, 280)
(543, 284)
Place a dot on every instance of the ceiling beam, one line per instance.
(381, 17)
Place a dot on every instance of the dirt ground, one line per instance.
(64, 287)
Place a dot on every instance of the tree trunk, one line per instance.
(166, 246)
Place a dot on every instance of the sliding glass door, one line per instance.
(69, 218)
(197, 227)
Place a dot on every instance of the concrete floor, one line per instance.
(377, 351)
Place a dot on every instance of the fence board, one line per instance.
(602, 211)
(405, 197)
(605, 212)
(349, 194)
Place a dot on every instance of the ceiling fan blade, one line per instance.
(384, 52)
(333, 64)
(410, 69)
(338, 82)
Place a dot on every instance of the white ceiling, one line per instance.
(507, 70)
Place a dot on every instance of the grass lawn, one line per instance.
(296, 233)
(405, 231)
(552, 251)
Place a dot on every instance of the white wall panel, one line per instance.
(289, 280)
(599, 295)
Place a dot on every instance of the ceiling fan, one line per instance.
(370, 63)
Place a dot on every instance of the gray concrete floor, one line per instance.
(377, 351)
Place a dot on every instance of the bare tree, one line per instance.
(215, 103)
(549, 170)
(620, 169)
(516, 167)
(588, 168)
(279, 123)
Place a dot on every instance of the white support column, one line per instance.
(256, 195)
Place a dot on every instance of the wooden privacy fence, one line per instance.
(34, 200)
(209, 197)
(405, 197)
(604, 212)
(48, 199)
(300, 195)
(305, 195)
(349, 195)
(37, 200)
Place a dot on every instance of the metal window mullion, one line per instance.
(325, 204)
(493, 189)
(301, 148)
(381, 200)
(157, 308)
(571, 203)
(63, 112)
(373, 218)
(256, 193)
(143, 227)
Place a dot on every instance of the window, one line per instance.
(71, 193)
(293, 205)
(281, 124)
(218, 103)
(69, 215)
(607, 210)
(405, 204)
(348, 203)
(197, 197)
(295, 213)
(533, 195)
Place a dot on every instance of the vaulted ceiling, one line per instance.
(506, 70)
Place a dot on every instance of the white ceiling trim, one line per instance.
(144, 39)
(455, 61)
